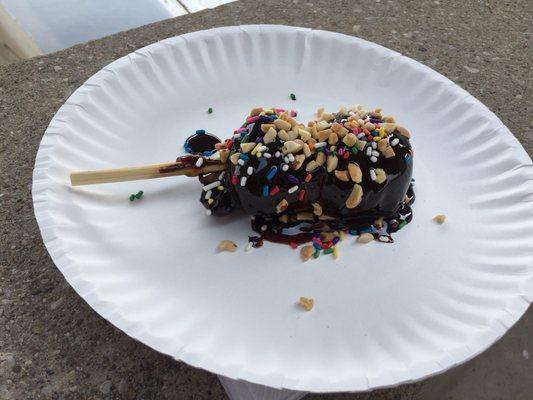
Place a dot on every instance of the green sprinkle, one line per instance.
(293, 96)
(402, 224)
(354, 150)
(245, 138)
(132, 197)
(139, 194)
(316, 254)
(327, 251)
(210, 110)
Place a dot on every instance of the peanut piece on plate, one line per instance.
(306, 303)
(227, 245)
(440, 218)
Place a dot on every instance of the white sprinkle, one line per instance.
(291, 157)
(374, 145)
(250, 127)
(267, 155)
(199, 162)
(286, 159)
(208, 194)
(208, 211)
(237, 136)
(285, 167)
(375, 153)
(250, 170)
(395, 141)
(320, 144)
(525, 354)
(360, 136)
(264, 228)
(361, 122)
(278, 154)
(373, 159)
(369, 151)
(373, 174)
(384, 238)
(252, 217)
(262, 149)
(248, 246)
(243, 181)
(221, 175)
(237, 170)
(293, 189)
(240, 161)
(211, 186)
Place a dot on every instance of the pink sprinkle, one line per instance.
(340, 152)
(279, 110)
(356, 131)
(252, 119)
(241, 130)
(293, 113)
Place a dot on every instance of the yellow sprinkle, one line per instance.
(220, 187)
(335, 252)
(377, 138)
(256, 147)
(341, 235)
(210, 201)
(382, 132)
(259, 154)
(269, 111)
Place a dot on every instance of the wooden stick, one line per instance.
(152, 171)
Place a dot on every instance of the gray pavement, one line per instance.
(53, 346)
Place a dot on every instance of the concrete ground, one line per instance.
(53, 346)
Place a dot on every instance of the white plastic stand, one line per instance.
(242, 390)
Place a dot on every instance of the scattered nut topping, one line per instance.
(440, 218)
(282, 206)
(320, 159)
(332, 163)
(282, 124)
(291, 147)
(355, 197)
(283, 135)
(355, 172)
(317, 209)
(306, 303)
(311, 165)
(256, 111)
(270, 135)
(381, 176)
(365, 238)
(403, 131)
(342, 175)
(247, 147)
(307, 252)
(304, 216)
(227, 245)
(284, 218)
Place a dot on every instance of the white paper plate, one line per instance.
(384, 314)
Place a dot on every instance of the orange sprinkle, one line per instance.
(308, 178)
